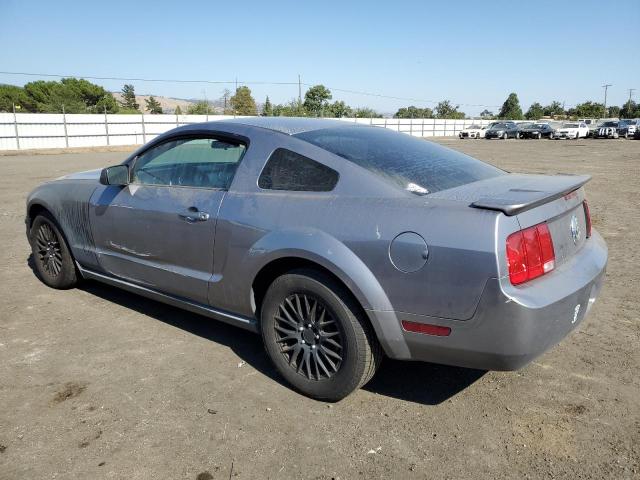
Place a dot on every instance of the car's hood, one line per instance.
(86, 175)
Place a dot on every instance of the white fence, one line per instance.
(43, 130)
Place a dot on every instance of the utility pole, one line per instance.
(606, 87)
(299, 91)
(631, 90)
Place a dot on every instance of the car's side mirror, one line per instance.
(117, 175)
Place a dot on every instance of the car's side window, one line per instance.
(287, 170)
(189, 162)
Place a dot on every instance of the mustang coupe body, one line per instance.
(339, 243)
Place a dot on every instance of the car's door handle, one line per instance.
(193, 215)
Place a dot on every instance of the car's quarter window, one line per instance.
(287, 170)
(415, 165)
(189, 162)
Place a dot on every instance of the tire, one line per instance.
(505, 135)
(518, 135)
(539, 135)
(53, 261)
(338, 354)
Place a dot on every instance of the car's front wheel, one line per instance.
(317, 336)
(51, 255)
(505, 135)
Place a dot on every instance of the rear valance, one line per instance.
(525, 192)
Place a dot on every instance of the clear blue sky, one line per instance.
(468, 52)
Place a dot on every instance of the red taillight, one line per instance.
(426, 328)
(587, 217)
(530, 253)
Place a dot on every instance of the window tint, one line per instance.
(287, 170)
(413, 164)
(189, 162)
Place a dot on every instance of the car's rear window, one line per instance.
(416, 165)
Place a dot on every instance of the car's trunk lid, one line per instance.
(557, 200)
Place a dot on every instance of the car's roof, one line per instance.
(290, 125)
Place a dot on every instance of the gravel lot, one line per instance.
(99, 383)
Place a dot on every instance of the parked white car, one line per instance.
(572, 130)
(473, 131)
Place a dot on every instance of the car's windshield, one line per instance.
(539, 125)
(570, 125)
(610, 124)
(474, 127)
(416, 165)
(525, 125)
(497, 126)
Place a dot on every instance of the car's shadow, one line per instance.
(424, 383)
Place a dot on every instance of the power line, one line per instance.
(236, 82)
(232, 82)
(165, 80)
(410, 99)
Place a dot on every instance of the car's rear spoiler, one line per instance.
(525, 192)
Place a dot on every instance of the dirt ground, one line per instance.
(99, 383)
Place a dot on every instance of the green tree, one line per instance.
(129, 98)
(291, 109)
(178, 110)
(267, 108)
(153, 105)
(338, 109)
(445, 109)
(630, 110)
(587, 110)
(11, 95)
(243, 103)
(316, 100)
(73, 94)
(199, 108)
(511, 108)
(413, 112)
(553, 109)
(535, 112)
(366, 112)
(487, 114)
(613, 111)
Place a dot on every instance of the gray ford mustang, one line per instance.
(338, 243)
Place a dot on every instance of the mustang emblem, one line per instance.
(574, 228)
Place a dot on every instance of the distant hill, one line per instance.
(168, 104)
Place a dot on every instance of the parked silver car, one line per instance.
(338, 243)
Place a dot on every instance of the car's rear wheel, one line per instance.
(51, 255)
(518, 135)
(317, 336)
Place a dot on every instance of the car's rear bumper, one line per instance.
(509, 330)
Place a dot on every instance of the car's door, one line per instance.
(159, 230)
